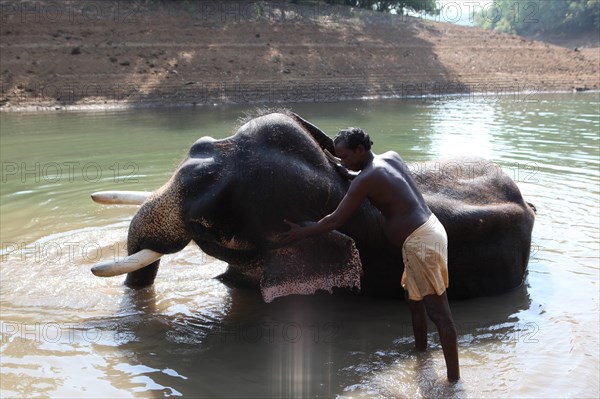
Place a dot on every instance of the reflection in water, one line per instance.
(67, 333)
(296, 344)
(463, 129)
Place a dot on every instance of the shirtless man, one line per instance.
(409, 224)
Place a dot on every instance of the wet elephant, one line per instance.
(230, 197)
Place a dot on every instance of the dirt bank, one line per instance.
(103, 54)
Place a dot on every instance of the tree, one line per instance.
(429, 6)
(528, 17)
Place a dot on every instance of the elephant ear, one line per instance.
(324, 141)
(317, 263)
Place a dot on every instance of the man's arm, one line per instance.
(350, 203)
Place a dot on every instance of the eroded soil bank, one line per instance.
(73, 55)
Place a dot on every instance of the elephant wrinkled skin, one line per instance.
(231, 196)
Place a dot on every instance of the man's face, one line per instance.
(350, 159)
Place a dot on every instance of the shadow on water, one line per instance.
(299, 346)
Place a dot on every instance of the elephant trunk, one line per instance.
(158, 226)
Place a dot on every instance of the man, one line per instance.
(409, 224)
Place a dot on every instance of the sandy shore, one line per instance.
(98, 55)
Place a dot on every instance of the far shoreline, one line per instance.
(107, 106)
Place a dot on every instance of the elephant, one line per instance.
(230, 196)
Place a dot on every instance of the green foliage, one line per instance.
(528, 17)
(387, 6)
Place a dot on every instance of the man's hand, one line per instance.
(338, 166)
(295, 233)
(332, 158)
(345, 172)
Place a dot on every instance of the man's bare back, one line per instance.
(393, 191)
(386, 182)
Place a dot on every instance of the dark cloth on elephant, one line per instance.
(316, 263)
(425, 255)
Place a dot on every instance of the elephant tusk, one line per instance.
(120, 197)
(128, 264)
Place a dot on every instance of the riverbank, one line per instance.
(74, 56)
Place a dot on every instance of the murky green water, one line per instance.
(66, 333)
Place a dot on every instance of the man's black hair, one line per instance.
(351, 137)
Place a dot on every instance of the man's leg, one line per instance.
(439, 312)
(419, 323)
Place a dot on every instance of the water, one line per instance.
(66, 333)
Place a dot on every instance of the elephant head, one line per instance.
(230, 197)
